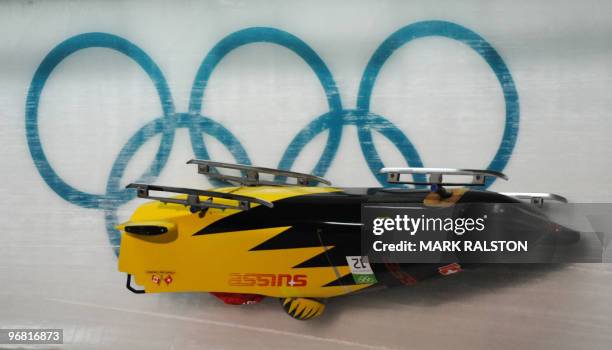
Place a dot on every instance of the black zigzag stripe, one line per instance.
(346, 280)
(293, 237)
(300, 210)
(320, 260)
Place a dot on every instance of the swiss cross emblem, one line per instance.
(155, 279)
(449, 269)
(168, 279)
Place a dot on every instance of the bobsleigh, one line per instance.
(278, 238)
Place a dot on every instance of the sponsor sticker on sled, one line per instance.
(361, 269)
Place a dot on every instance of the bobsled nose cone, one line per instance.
(529, 223)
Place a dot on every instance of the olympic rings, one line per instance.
(455, 32)
(334, 120)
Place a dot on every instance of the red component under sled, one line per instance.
(449, 269)
(239, 299)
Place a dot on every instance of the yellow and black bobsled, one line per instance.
(295, 242)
